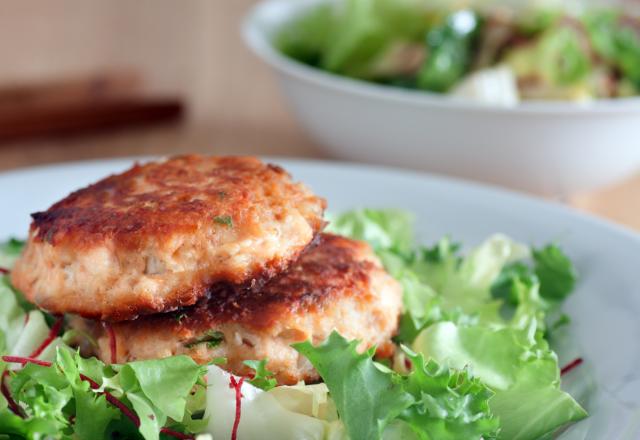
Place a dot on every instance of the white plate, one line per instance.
(605, 308)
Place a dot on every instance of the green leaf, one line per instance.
(225, 220)
(43, 393)
(437, 264)
(564, 56)
(442, 252)
(19, 296)
(557, 58)
(31, 428)
(93, 415)
(12, 319)
(262, 377)
(506, 286)
(10, 251)
(212, 338)
(366, 397)
(421, 307)
(464, 284)
(534, 406)
(151, 419)
(167, 382)
(449, 51)
(385, 229)
(556, 272)
(52, 396)
(362, 30)
(517, 365)
(450, 404)
(305, 38)
(92, 412)
(615, 40)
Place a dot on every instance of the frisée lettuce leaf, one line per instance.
(367, 397)
(484, 311)
(73, 397)
(449, 404)
(373, 401)
(517, 365)
(262, 377)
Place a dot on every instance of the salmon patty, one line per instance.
(159, 236)
(337, 285)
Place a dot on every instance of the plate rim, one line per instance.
(467, 184)
(499, 195)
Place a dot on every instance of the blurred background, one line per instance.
(84, 79)
(186, 56)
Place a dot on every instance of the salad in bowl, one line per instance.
(499, 52)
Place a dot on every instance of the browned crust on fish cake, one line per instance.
(328, 271)
(185, 191)
(337, 285)
(159, 235)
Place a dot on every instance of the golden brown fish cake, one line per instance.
(157, 236)
(339, 284)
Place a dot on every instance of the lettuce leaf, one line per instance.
(450, 404)
(555, 271)
(367, 398)
(615, 40)
(10, 251)
(12, 319)
(349, 37)
(385, 229)
(92, 412)
(262, 378)
(484, 311)
(374, 402)
(263, 414)
(365, 28)
(58, 402)
(421, 305)
(153, 376)
(21, 332)
(467, 286)
(305, 38)
(450, 48)
(517, 365)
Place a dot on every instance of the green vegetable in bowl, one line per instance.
(449, 51)
(616, 38)
(437, 46)
(351, 38)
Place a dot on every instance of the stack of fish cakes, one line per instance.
(208, 257)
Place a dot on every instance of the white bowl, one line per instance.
(543, 147)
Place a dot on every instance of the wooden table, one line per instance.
(192, 49)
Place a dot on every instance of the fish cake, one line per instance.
(159, 235)
(337, 285)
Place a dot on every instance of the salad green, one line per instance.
(473, 360)
(474, 49)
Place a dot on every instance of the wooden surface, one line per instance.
(192, 49)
